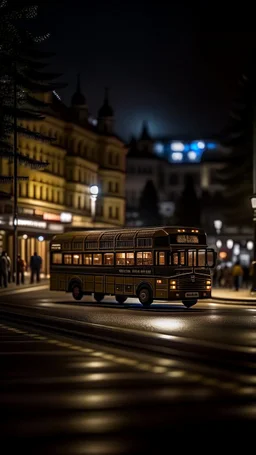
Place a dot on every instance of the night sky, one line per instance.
(160, 62)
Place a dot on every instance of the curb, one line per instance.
(229, 300)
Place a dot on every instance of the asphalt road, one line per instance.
(109, 378)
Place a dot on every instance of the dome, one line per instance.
(78, 99)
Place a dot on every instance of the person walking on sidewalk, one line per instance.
(35, 266)
(9, 267)
(3, 270)
(21, 269)
(237, 273)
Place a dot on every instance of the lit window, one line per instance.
(144, 258)
(87, 259)
(77, 259)
(159, 148)
(177, 146)
(57, 258)
(161, 258)
(177, 156)
(201, 145)
(67, 259)
(97, 259)
(192, 258)
(109, 259)
(129, 259)
(192, 156)
(120, 258)
(210, 258)
(201, 258)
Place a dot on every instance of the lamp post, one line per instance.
(94, 191)
(217, 225)
(253, 201)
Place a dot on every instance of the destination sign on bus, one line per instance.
(187, 239)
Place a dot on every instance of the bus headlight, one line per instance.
(173, 285)
(208, 282)
(208, 288)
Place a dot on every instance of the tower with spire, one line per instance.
(145, 140)
(106, 116)
(79, 106)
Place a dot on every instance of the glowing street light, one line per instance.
(217, 225)
(94, 191)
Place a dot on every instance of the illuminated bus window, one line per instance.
(147, 258)
(77, 259)
(174, 259)
(120, 258)
(210, 259)
(182, 257)
(139, 258)
(67, 258)
(161, 258)
(87, 259)
(109, 259)
(57, 258)
(97, 259)
(201, 258)
(191, 258)
(129, 259)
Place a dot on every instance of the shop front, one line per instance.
(35, 230)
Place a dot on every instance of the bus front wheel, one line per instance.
(145, 296)
(121, 298)
(77, 292)
(98, 297)
(189, 303)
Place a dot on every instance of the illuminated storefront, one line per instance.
(35, 229)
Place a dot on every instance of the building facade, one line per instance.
(83, 153)
(167, 161)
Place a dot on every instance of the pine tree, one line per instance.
(21, 81)
(148, 208)
(236, 176)
(187, 211)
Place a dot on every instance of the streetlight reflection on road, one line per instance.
(168, 324)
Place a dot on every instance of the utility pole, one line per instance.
(15, 180)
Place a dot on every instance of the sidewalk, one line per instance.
(27, 285)
(243, 295)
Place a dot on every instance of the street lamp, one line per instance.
(94, 191)
(218, 225)
(253, 201)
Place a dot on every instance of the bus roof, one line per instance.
(125, 233)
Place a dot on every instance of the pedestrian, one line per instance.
(237, 273)
(35, 267)
(3, 270)
(21, 269)
(9, 267)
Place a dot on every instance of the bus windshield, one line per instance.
(192, 258)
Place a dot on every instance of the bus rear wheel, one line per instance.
(121, 298)
(145, 296)
(189, 303)
(77, 292)
(98, 297)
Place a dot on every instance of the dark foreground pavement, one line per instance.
(101, 379)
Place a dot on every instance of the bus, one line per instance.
(164, 263)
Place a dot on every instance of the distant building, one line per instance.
(167, 161)
(84, 152)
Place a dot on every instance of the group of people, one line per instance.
(233, 277)
(6, 269)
